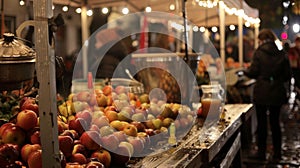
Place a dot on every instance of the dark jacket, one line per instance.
(271, 69)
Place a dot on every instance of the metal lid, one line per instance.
(13, 49)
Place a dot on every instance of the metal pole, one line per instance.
(186, 56)
(45, 68)
(85, 35)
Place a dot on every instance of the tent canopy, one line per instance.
(199, 15)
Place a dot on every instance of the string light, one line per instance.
(105, 10)
(148, 9)
(53, 7)
(172, 7)
(232, 27)
(78, 10)
(65, 8)
(214, 29)
(125, 10)
(89, 12)
(202, 29)
(208, 3)
(195, 28)
(22, 3)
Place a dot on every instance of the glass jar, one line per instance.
(211, 101)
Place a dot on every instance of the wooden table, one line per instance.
(217, 145)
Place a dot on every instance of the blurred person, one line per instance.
(294, 57)
(271, 69)
(231, 52)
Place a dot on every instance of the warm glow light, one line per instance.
(22, 3)
(172, 7)
(247, 24)
(125, 11)
(232, 27)
(202, 29)
(214, 29)
(53, 7)
(65, 8)
(78, 10)
(89, 12)
(105, 10)
(195, 28)
(296, 27)
(148, 9)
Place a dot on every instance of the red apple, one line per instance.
(111, 115)
(62, 126)
(90, 139)
(85, 114)
(4, 126)
(71, 133)
(107, 90)
(27, 149)
(14, 135)
(79, 158)
(103, 156)
(101, 100)
(74, 165)
(30, 104)
(35, 138)
(27, 119)
(140, 126)
(66, 145)
(110, 142)
(79, 148)
(8, 154)
(34, 159)
(79, 125)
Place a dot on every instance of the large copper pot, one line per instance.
(17, 63)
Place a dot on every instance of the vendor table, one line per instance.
(218, 145)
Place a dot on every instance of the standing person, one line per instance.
(294, 57)
(270, 67)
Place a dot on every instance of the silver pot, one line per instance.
(17, 63)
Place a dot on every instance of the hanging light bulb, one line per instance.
(105, 10)
(202, 29)
(65, 8)
(172, 7)
(214, 29)
(53, 7)
(89, 12)
(22, 2)
(247, 24)
(78, 10)
(195, 28)
(148, 9)
(125, 10)
(232, 27)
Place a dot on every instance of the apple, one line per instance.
(83, 96)
(107, 90)
(65, 145)
(141, 110)
(137, 143)
(120, 89)
(62, 126)
(79, 148)
(74, 165)
(79, 125)
(79, 158)
(4, 126)
(130, 130)
(101, 122)
(26, 119)
(85, 114)
(95, 164)
(72, 133)
(110, 100)
(140, 126)
(34, 159)
(144, 98)
(149, 124)
(131, 96)
(8, 154)
(110, 142)
(102, 156)
(157, 123)
(14, 135)
(110, 108)
(35, 138)
(118, 125)
(29, 103)
(120, 135)
(106, 130)
(149, 132)
(90, 139)
(120, 104)
(97, 114)
(111, 115)
(93, 100)
(27, 149)
(123, 96)
(138, 117)
(101, 100)
(150, 117)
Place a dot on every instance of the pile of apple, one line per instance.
(96, 128)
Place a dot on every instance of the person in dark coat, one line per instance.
(271, 69)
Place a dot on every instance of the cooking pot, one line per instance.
(17, 63)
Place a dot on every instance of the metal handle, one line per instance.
(23, 25)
